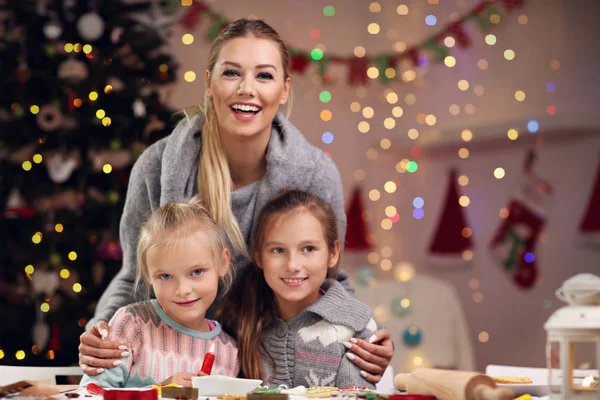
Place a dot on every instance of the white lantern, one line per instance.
(572, 331)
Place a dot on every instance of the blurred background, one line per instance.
(466, 132)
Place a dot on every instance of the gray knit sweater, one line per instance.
(167, 172)
(308, 350)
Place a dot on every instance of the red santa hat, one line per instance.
(451, 243)
(589, 227)
(356, 233)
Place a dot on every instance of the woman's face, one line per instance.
(247, 86)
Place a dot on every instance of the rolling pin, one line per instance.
(451, 385)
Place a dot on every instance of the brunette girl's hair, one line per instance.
(214, 178)
(248, 313)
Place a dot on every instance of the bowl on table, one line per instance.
(218, 385)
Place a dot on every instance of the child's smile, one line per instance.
(185, 278)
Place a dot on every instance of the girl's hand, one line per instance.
(180, 378)
(96, 353)
(373, 356)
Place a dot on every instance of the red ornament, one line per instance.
(193, 14)
(512, 4)
(356, 235)
(299, 63)
(71, 102)
(357, 74)
(54, 343)
(457, 31)
(414, 56)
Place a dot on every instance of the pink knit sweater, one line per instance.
(159, 347)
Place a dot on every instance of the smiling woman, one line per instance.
(235, 151)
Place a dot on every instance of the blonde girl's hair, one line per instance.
(214, 178)
(169, 224)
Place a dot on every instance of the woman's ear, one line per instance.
(207, 83)
(225, 260)
(286, 91)
(334, 255)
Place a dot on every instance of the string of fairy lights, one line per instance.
(404, 271)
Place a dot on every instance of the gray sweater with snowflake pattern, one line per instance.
(309, 349)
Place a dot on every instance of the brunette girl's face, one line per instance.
(295, 259)
(247, 86)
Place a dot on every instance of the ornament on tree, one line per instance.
(451, 242)
(90, 26)
(116, 83)
(356, 232)
(109, 250)
(16, 206)
(41, 331)
(22, 72)
(118, 159)
(139, 108)
(72, 71)
(52, 30)
(44, 282)
(61, 166)
(589, 227)
(514, 243)
(49, 118)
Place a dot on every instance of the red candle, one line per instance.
(209, 360)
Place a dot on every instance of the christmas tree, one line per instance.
(83, 94)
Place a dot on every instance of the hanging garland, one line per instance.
(358, 66)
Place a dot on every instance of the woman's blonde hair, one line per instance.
(214, 178)
(171, 222)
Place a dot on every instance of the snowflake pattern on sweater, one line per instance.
(309, 349)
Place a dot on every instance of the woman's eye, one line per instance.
(310, 249)
(230, 72)
(277, 250)
(265, 75)
(197, 272)
(165, 277)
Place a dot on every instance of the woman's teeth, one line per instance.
(245, 108)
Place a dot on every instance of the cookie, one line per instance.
(515, 380)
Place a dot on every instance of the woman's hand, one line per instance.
(372, 356)
(180, 378)
(96, 352)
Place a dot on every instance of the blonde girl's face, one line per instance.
(247, 86)
(185, 278)
(295, 259)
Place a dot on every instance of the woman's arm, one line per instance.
(96, 354)
(137, 208)
(374, 355)
(123, 322)
(349, 374)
